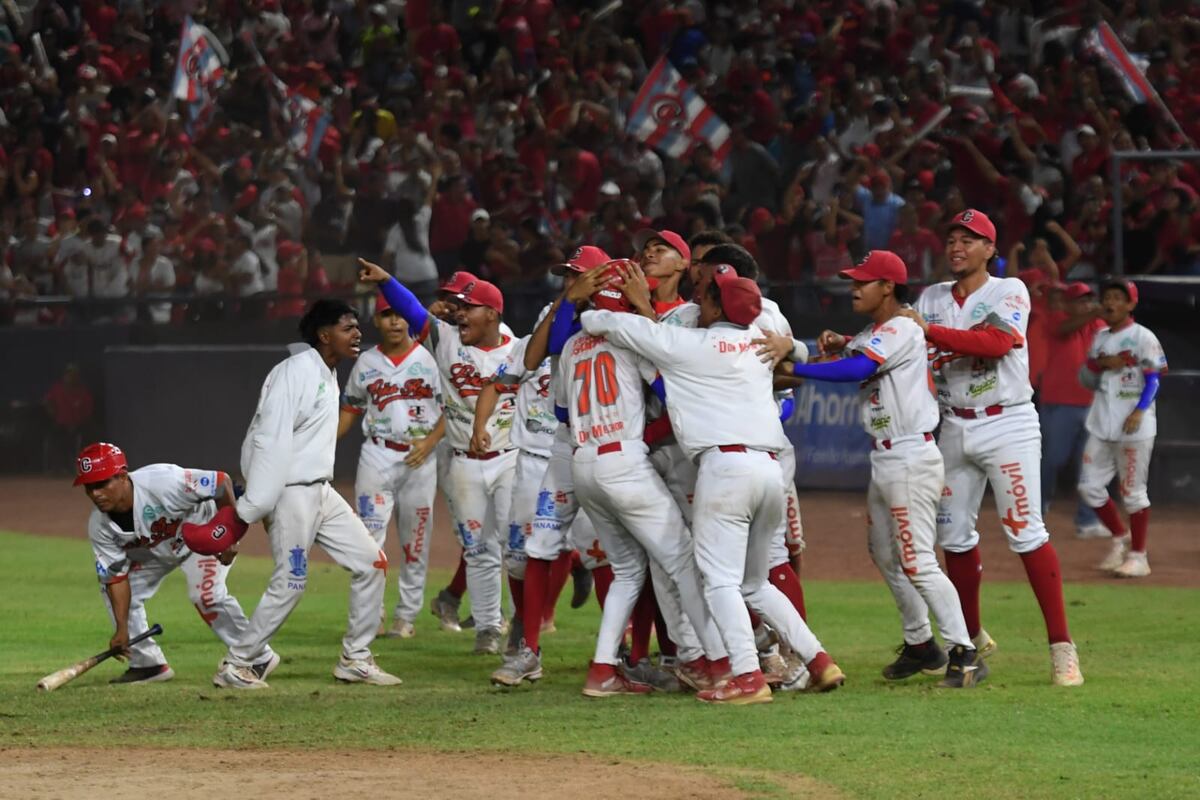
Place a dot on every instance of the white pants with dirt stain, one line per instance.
(1129, 462)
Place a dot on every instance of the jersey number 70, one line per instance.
(601, 373)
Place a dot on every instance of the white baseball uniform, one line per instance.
(164, 497)
(638, 524)
(899, 411)
(399, 400)
(719, 395)
(1110, 452)
(559, 524)
(287, 460)
(990, 430)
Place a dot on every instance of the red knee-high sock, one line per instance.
(560, 570)
(603, 578)
(516, 589)
(665, 645)
(965, 571)
(1139, 523)
(784, 579)
(1045, 576)
(643, 620)
(458, 584)
(537, 574)
(1111, 518)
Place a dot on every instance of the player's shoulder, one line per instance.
(1007, 286)
(901, 326)
(152, 472)
(683, 316)
(936, 293)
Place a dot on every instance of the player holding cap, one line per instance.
(1124, 365)
(899, 412)
(136, 538)
(396, 391)
(975, 326)
(718, 396)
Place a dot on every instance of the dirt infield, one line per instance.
(834, 524)
(47, 774)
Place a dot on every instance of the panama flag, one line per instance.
(199, 69)
(1104, 41)
(669, 115)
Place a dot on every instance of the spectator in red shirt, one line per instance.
(69, 405)
(450, 224)
(919, 247)
(580, 172)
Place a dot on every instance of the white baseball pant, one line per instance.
(384, 486)
(902, 502)
(738, 510)
(559, 524)
(641, 529)
(1005, 451)
(479, 492)
(304, 515)
(526, 495)
(1104, 460)
(205, 577)
(793, 525)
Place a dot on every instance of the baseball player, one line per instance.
(900, 413)
(478, 485)
(287, 460)
(718, 396)
(975, 327)
(1124, 365)
(135, 536)
(396, 391)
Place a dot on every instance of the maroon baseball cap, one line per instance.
(976, 222)
(1078, 289)
(583, 259)
(482, 293)
(1128, 287)
(673, 239)
(458, 281)
(741, 300)
(879, 265)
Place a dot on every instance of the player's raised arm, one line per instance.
(635, 333)
(398, 296)
(537, 348)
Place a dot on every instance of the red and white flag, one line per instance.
(200, 67)
(669, 115)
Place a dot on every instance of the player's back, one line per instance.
(600, 385)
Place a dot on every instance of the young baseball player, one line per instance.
(718, 396)
(900, 413)
(287, 460)
(396, 391)
(1124, 364)
(975, 326)
(135, 536)
(478, 485)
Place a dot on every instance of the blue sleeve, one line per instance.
(1150, 390)
(562, 327)
(406, 305)
(786, 408)
(659, 389)
(856, 368)
(562, 414)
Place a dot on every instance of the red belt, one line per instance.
(886, 444)
(397, 446)
(481, 456)
(611, 447)
(741, 448)
(970, 413)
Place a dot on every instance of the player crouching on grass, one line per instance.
(136, 537)
(888, 358)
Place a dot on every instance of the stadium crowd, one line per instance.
(491, 136)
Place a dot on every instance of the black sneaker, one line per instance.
(914, 658)
(155, 674)
(966, 668)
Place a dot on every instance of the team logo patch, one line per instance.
(219, 532)
(85, 465)
(967, 216)
(366, 505)
(100, 570)
(298, 561)
(545, 503)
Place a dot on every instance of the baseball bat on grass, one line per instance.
(68, 674)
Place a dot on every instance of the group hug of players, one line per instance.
(635, 438)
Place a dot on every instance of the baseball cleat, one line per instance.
(1064, 660)
(965, 668)
(156, 674)
(524, 665)
(516, 637)
(468, 623)
(264, 668)
(487, 642)
(1136, 565)
(825, 677)
(1116, 555)
(696, 674)
(363, 670)
(646, 674)
(926, 657)
(1094, 531)
(445, 608)
(603, 680)
(581, 579)
(984, 643)
(401, 629)
(749, 688)
(548, 626)
(774, 666)
(234, 676)
(798, 678)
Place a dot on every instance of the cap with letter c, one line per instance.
(976, 222)
(878, 265)
(583, 259)
(98, 462)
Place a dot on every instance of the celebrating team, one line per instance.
(643, 431)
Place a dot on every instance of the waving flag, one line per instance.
(308, 123)
(669, 115)
(1104, 41)
(199, 72)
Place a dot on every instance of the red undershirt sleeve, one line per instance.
(986, 342)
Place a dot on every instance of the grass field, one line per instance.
(1132, 731)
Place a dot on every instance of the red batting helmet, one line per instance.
(98, 462)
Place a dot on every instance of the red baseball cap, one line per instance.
(458, 281)
(98, 462)
(878, 265)
(482, 293)
(583, 259)
(1128, 287)
(976, 222)
(247, 198)
(741, 300)
(611, 298)
(673, 239)
(381, 303)
(1078, 289)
